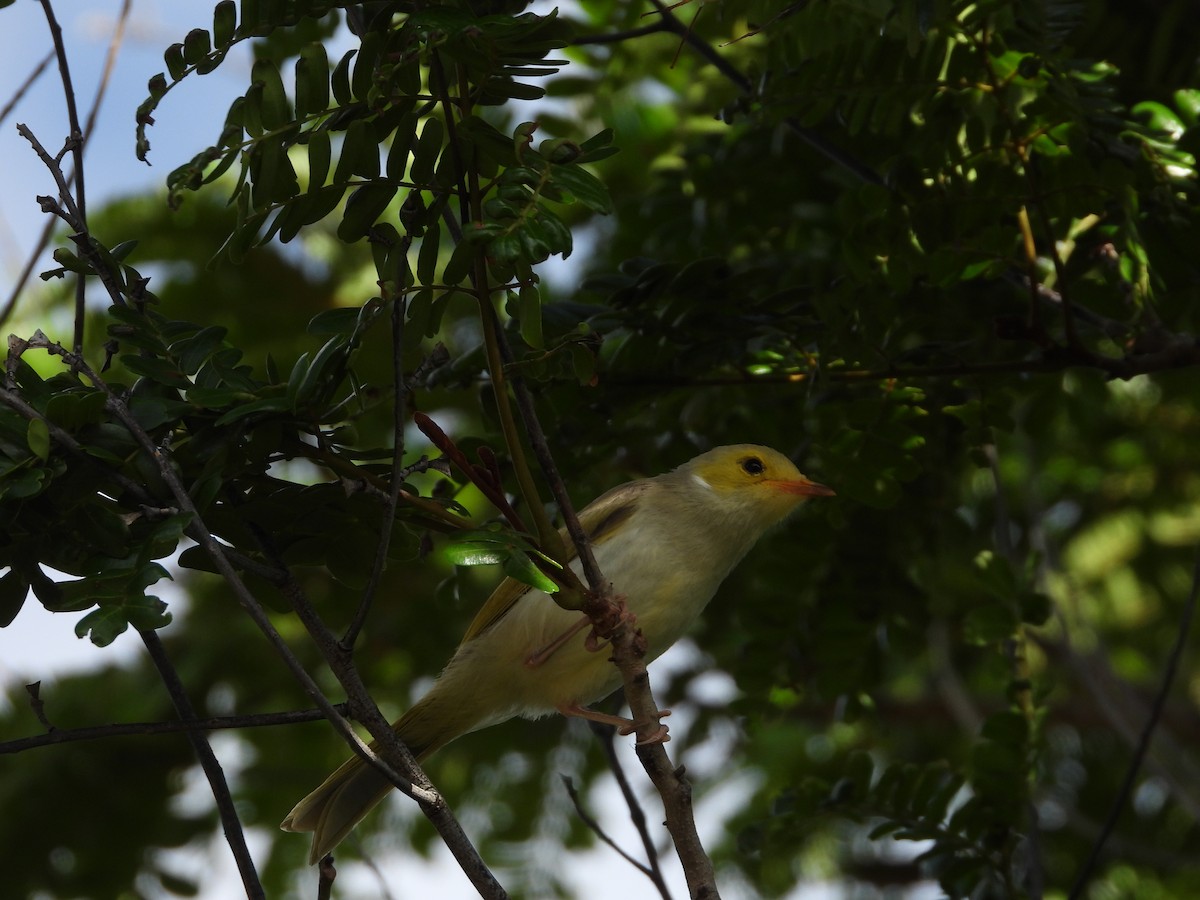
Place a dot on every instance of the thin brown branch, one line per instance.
(637, 815)
(1179, 352)
(110, 62)
(616, 37)
(75, 142)
(230, 823)
(24, 87)
(125, 729)
(388, 519)
(481, 477)
(38, 705)
(22, 279)
(590, 821)
(71, 211)
(326, 873)
(1143, 746)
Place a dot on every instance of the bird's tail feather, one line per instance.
(333, 809)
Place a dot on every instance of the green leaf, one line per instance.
(103, 625)
(530, 304)
(196, 46)
(476, 553)
(312, 81)
(37, 436)
(519, 566)
(14, 590)
(363, 208)
(265, 405)
(107, 622)
(398, 153)
(160, 370)
(427, 256)
(276, 109)
(583, 186)
(462, 258)
(359, 154)
(195, 350)
(176, 65)
(340, 80)
(340, 320)
(319, 155)
(224, 23)
(583, 362)
(425, 156)
(365, 65)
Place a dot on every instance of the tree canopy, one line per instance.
(942, 254)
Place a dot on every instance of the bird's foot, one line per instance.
(601, 633)
(623, 725)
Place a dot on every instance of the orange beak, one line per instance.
(803, 487)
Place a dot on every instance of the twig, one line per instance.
(110, 61)
(413, 782)
(76, 143)
(1143, 745)
(230, 822)
(199, 532)
(73, 215)
(101, 89)
(326, 873)
(604, 733)
(124, 729)
(394, 759)
(589, 820)
(39, 706)
(399, 419)
(482, 478)
(1020, 686)
(615, 37)
(25, 86)
(1181, 351)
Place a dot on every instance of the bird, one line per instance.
(666, 543)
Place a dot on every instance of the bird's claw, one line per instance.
(624, 726)
(602, 632)
(660, 735)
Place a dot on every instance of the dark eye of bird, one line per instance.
(752, 465)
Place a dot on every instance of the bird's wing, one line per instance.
(600, 520)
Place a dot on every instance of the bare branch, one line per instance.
(125, 729)
(38, 705)
(637, 815)
(1143, 746)
(388, 520)
(589, 820)
(616, 37)
(75, 142)
(230, 823)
